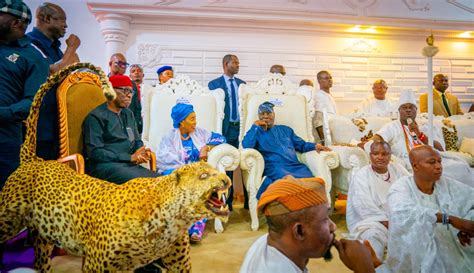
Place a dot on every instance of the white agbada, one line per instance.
(171, 153)
(372, 107)
(324, 101)
(402, 142)
(263, 258)
(416, 242)
(367, 204)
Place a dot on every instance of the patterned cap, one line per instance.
(16, 8)
(290, 194)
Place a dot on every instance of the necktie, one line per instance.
(233, 93)
(445, 102)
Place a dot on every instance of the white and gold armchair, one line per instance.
(209, 108)
(293, 108)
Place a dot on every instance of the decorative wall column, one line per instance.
(115, 29)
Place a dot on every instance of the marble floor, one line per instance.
(225, 252)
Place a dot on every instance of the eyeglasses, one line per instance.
(124, 90)
(122, 64)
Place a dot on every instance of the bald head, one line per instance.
(307, 82)
(51, 20)
(441, 82)
(117, 64)
(117, 56)
(48, 9)
(421, 152)
(278, 68)
(426, 164)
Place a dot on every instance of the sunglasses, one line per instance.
(122, 64)
(124, 90)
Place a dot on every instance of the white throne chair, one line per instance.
(342, 134)
(209, 108)
(294, 108)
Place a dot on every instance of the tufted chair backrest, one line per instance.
(293, 107)
(208, 105)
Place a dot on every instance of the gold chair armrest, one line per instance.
(153, 162)
(78, 160)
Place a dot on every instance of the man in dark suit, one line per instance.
(231, 122)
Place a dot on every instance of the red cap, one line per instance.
(120, 81)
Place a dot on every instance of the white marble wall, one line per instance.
(353, 72)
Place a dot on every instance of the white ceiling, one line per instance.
(445, 10)
(448, 18)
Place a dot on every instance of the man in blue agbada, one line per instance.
(278, 145)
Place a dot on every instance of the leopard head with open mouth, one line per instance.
(207, 189)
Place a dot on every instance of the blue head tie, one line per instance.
(180, 112)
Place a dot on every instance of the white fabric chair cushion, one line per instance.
(295, 120)
(205, 107)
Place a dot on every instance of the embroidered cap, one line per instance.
(407, 96)
(290, 194)
(16, 8)
(266, 107)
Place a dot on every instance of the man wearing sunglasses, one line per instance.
(113, 148)
(118, 66)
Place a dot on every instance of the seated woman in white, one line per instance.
(184, 144)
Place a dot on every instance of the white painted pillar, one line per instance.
(430, 101)
(115, 29)
(429, 52)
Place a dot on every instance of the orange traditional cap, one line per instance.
(290, 194)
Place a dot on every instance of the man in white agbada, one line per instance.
(404, 134)
(431, 220)
(323, 101)
(367, 210)
(378, 105)
(299, 228)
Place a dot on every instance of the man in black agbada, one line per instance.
(113, 147)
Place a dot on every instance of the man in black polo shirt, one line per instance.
(23, 68)
(50, 27)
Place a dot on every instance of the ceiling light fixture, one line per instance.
(466, 34)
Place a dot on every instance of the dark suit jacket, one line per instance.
(220, 83)
(136, 108)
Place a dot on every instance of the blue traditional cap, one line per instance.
(163, 69)
(16, 8)
(266, 107)
(180, 112)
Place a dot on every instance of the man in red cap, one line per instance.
(118, 66)
(113, 148)
(299, 228)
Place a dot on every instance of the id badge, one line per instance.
(131, 135)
